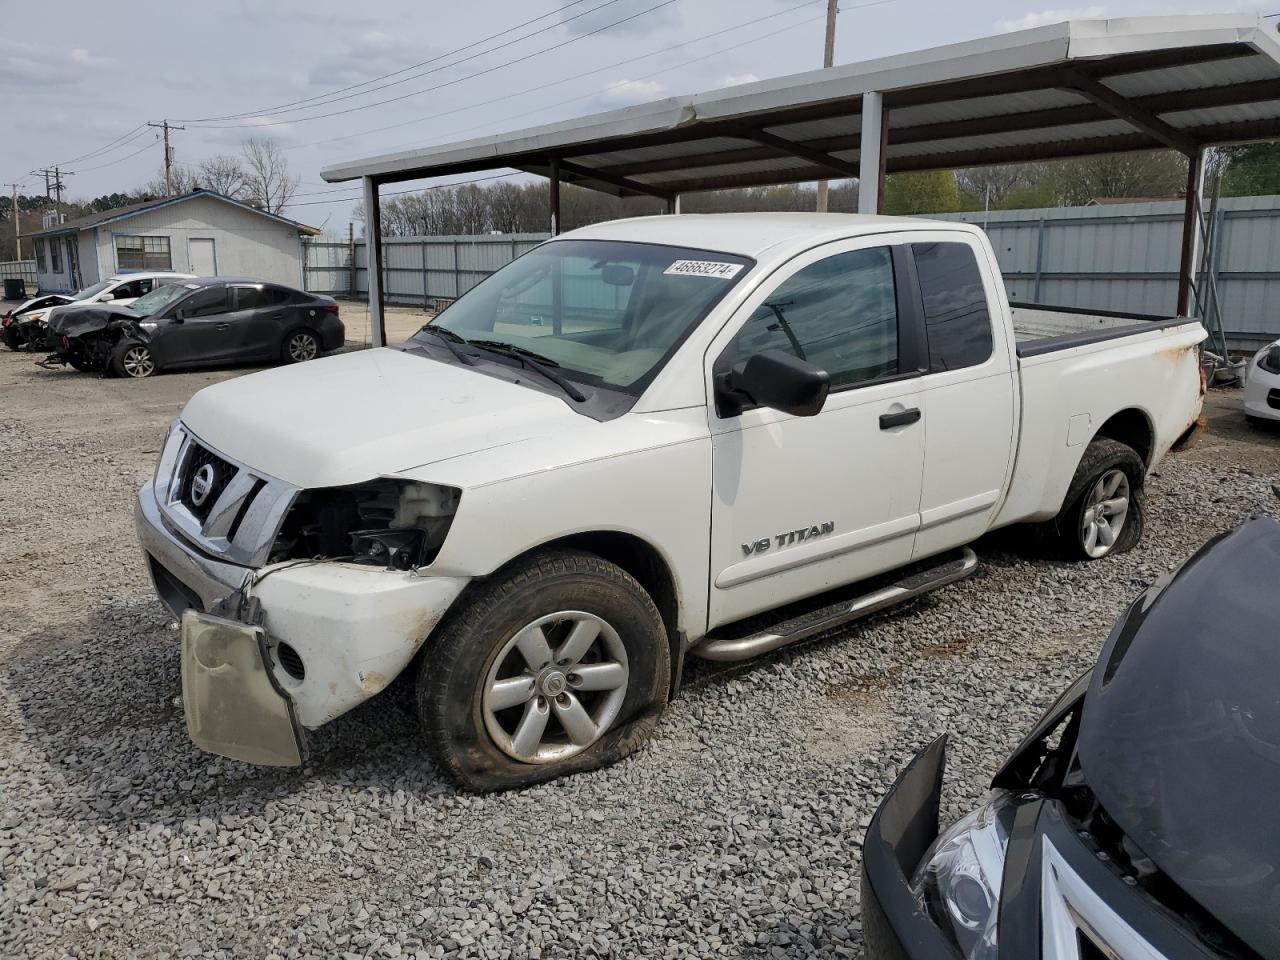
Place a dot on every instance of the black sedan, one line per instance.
(1139, 819)
(200, 322)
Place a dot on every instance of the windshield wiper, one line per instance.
(533, 361)
(450, 339)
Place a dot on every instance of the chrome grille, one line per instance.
(198, 457)
(236, 518)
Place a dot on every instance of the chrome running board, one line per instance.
(826, 618)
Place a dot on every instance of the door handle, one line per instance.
(900, 419)
(277, 316)
(227, 326)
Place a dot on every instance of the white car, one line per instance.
(643, 438)
(30, 319)
(1262, 384)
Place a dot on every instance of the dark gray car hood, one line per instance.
(90, 318)
(1180, 730)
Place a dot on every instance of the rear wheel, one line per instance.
(557, 664)
(300, 346)
(1104, 512)
(132, 359)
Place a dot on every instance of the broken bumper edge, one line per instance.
(234, 707)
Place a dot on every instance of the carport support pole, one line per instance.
(373, 251)
(871, 154)
(554, 184)
(1190, 231)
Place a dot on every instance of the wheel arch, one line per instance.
(1134, 428)
(642, 560)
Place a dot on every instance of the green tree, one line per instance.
(931, 191)
(1253, 169)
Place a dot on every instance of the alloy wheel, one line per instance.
(137, 362)
(555, 687)
(303, 347)
(1105, 509)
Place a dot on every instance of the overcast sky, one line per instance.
(76, 81)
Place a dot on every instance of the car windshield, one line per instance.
(603, 312)
(158, 299)
(92, 291)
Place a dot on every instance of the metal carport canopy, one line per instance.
(1077, 88)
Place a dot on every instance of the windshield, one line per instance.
(158, 299)
(1180, 731)
(92, 291)
(604, 312)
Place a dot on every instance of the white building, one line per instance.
(201, 232)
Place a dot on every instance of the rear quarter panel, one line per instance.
(1067, 395)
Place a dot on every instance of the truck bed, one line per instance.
(1041, 329)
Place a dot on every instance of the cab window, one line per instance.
(957, 320)
(840, 314)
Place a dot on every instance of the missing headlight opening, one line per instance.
(398, 524)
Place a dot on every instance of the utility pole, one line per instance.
(53, 185)
(828, 56)
(13, 208)
(168, 153)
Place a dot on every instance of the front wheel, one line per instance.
(557, 664)
(1104, 511)
(133, 360)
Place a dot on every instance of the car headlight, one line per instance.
(1269, 359)
(148, 325)
(958, 881)
(398, 524)
(34, 317)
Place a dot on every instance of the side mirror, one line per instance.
(105, 297)
(774, 379)
(179, 316)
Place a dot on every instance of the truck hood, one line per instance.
(356, 416)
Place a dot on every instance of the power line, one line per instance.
(448, 83)
(707, 56)
(137, 131)
(283, 107)
(127, 156)
(587, 73)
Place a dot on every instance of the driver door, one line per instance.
(804, 504)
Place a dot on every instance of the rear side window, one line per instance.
(275, 296)
(956, 317)
(246, 298)
(840, 314)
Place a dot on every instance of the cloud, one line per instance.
(737, 79)
(1041, 17)
(667, 16)
(633, 91)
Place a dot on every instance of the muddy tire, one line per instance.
(556, 664)
(1104, 512)
(133, 360)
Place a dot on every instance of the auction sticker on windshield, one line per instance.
(704, 268)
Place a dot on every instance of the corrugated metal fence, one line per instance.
(19, 270)
(416, 270)
(1120, 257)
(1125, 257)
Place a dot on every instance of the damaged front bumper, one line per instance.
(318, 637)
(233, 704)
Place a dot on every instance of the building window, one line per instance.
(55, 255)
(39, 256)
(143, 253)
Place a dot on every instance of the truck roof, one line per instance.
(751, 234)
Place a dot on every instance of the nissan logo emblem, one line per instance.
(202, 484)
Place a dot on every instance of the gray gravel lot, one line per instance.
(735, 833)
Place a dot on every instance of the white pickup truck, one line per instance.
(702, 434)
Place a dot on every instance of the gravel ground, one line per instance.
(734, 833)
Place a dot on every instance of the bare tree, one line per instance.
(267, 181)
(182, 180)
(223, 174)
